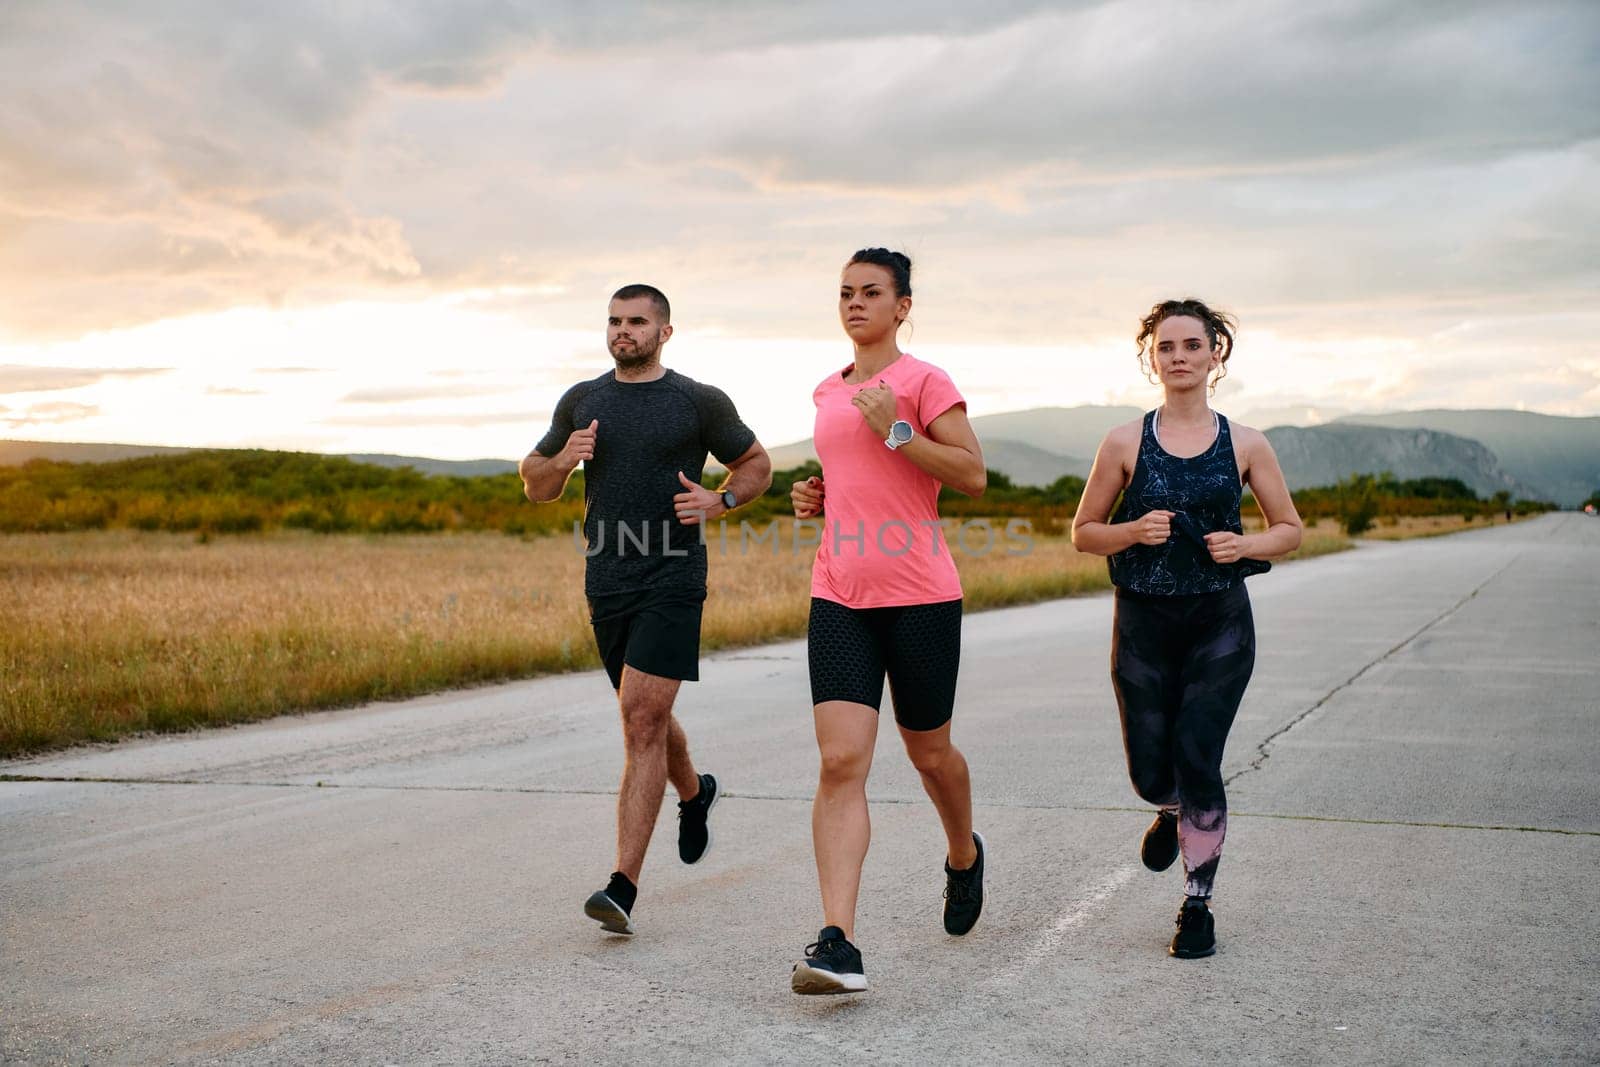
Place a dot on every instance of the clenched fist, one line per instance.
(696, 504)
(580, 445)
(806, 497)
(877, 408)
(1225, 546)
(1152, 528)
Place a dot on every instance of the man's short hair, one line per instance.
(657, 297)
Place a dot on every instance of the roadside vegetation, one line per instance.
(174, 592)
(108, 633)
(236, 492)
(1360, 501)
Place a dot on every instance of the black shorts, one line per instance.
(918, 646)
(655, 631)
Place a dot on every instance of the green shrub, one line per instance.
(1358, 503)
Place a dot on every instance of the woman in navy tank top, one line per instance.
(1183, 640)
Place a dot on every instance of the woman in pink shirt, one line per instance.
(885, 599)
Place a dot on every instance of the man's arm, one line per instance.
(722, 430)
(545, 477)
(748, 477)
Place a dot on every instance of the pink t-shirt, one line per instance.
(882, 545)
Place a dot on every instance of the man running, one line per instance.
(642, 433)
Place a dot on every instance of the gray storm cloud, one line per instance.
(1045, 162)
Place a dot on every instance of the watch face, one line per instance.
(901, 431)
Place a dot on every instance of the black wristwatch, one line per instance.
(729, 501)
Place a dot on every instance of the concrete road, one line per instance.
(1410, 875)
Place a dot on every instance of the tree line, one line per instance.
(245, 491)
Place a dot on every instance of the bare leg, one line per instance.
(680, 768)
(944, 776)
(840, 827)
(646, 702)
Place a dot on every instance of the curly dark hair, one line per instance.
(1220, 327)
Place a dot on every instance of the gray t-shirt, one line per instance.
(649, 431)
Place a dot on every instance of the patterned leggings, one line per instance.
(1179, 665)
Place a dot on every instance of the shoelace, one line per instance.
(1191, 918)
(960, 889)
(821, 950)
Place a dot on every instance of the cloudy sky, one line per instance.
(393, 227)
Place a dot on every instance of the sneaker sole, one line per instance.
(605, 911)
(809, 981)
(1189, 954)
(1153, 867)
(710, 837)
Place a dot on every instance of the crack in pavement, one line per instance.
(1262, 753)
(779, 798)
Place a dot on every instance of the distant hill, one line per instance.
(1027, 465)
(790, 455)
(1033, 447)
(460, 468)
(1546, 457)
(1556, 456)
(1321, 455)
(1023, 464)
(16, 453)
(1036, 446)
(1074, 431)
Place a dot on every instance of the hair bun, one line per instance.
(897, 263)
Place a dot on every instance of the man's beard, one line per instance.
(640, 354)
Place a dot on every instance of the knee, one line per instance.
(1154, 785)
(934, 760)
(1203, 792)
(644, 725)
(842, 766)
(1198, 767)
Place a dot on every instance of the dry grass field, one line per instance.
(105, 634)
(1409, 526)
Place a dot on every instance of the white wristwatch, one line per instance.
(899, 434)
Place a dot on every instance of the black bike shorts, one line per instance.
(918, 646)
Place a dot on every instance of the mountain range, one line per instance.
(1557, 457)
(1531, 455)
(14, 453)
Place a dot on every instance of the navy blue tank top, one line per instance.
(1203, 494)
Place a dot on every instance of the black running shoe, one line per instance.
(610, 906)
(963, 893)
(694, 836)
(832, 965)
(1160, 846)
(1196, 936)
